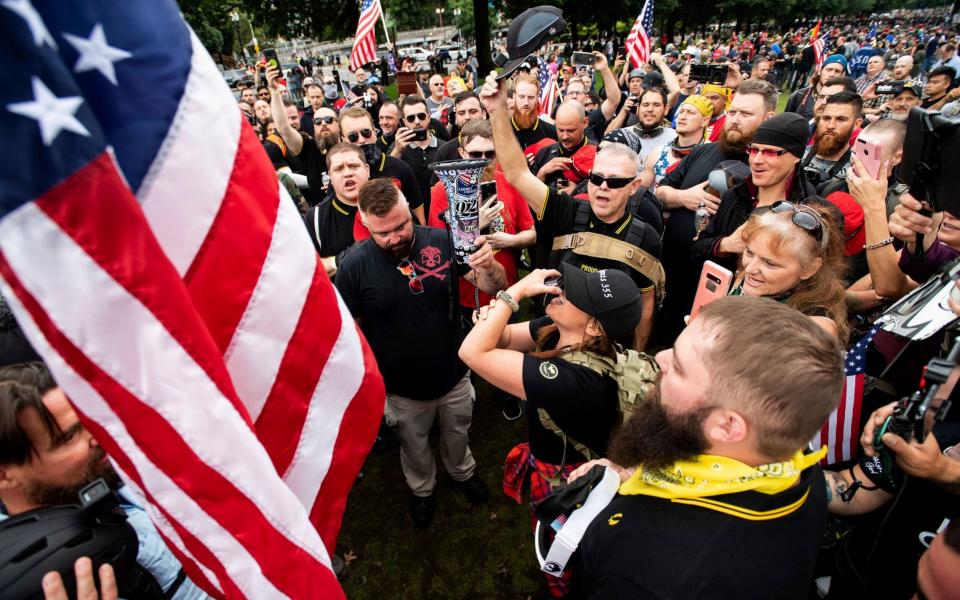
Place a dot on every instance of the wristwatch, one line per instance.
(508, 300)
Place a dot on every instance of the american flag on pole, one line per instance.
(158, 266)
(365, 42)
(549, 90)
(820, 50)
(638, 41)
(841, 432)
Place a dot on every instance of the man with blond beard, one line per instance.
(682, 192)
(528, 127)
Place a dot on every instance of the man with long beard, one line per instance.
(683, 191)
(826, 163)
(716, 480)
(47, 456)
(528, 127)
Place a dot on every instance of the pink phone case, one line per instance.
(868, 152)
(714, 283)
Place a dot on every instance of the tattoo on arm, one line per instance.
(836, 482)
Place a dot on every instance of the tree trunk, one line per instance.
(481, 26)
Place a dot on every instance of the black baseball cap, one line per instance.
(527, 33)
(608, 295)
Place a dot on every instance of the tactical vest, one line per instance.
(627, 251)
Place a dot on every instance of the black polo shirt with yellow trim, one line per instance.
(742, 545)
(402, 177)
(558, 218)
(330, 224)
(528, 137)
(547, 154)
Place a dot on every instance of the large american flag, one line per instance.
(163, 273)
(639, 40)
(365, 42)
(841, 432)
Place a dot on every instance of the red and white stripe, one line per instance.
(203, 345)
(549, 96)
(365, 41)
(841, 433)
(638, 40)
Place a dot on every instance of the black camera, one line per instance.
(715, 73)
(889, 88)
(931, 159)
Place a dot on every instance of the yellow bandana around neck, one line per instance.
(709, 475)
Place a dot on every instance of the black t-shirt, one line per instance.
(333, 220)
(597, 124)
(448, 150)
(314, 161)
(579, 400)
(678, 234)
(558, 218)
(402, 176)
(894, 536)
(642, 547)
(419, 160)
(411, 335)
(540, 130)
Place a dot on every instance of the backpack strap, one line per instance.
(581, 219)
(601, 246)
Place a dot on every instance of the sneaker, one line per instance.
(474, 489)
(421, 510)
(511, 409)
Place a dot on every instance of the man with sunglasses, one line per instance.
(599, 234)
(401, 288)
(775, 174)
(416, 145)
(436, 100)
(466, 108)
(309, 152)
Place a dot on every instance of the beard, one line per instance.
(656, 439)
(43, 494)
(327, 140)
(734, 141)
(525, 120)
(830, 144)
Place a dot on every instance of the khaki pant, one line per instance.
(453, 413)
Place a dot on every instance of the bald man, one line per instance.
(571, 158)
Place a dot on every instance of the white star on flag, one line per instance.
(29, 14)
(52, 114)
(96, 53)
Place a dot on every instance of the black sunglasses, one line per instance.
(487, 154)
(803, 217)
(416, 117)
(614, 183)
(324, 120)
(356, 135)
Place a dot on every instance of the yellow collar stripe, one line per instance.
(744, 513)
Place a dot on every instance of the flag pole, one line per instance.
(383, 21)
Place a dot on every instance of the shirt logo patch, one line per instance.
(614, 519)
(548, 370)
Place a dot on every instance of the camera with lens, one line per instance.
(889, 88)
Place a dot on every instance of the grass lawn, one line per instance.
(468, 552)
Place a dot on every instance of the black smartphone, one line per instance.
(420, 135)
(487, 189)
(561, 183)
(271, 56)
(582, 58)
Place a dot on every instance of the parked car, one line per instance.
(454, 52)
(417, 54)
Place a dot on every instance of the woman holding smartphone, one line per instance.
(568, 403)
(794, 254)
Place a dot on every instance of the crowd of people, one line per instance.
(607, 207)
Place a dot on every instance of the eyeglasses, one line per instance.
(805, 218)
(324, 120)
(353, 136)
(415, 117)
(766, 152)
(413, 281)
(487, 154)
(614, 183)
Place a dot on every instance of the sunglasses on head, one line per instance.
(416, 117)
(324, 120)
(766, 152)
(803, 217)
(487, 154)
(614, 183)
(353, 136)
(410, 272)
